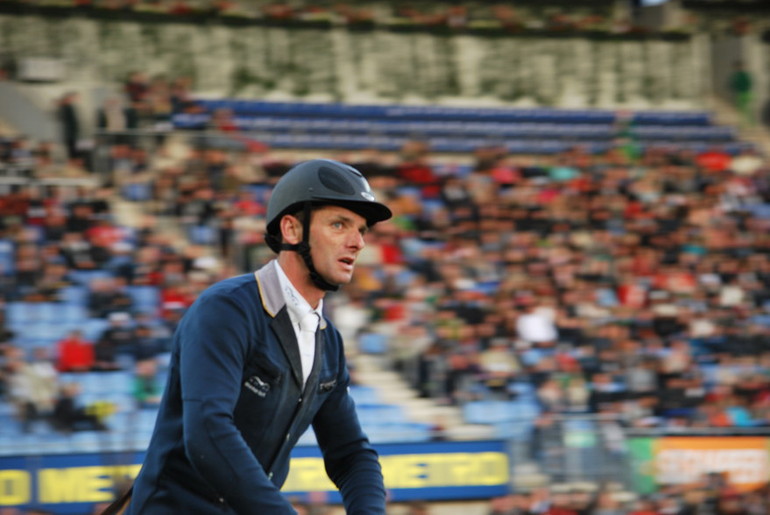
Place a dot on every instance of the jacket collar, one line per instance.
(275, 305)
(270, 290)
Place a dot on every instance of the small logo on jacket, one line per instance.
(257, 385)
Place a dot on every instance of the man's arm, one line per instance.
(351, 462)
(211, 366)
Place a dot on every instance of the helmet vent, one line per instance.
(333, 180)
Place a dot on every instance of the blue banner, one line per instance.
(73, 483)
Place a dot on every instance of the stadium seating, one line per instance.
(456, 129)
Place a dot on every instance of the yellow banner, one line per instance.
(412, 471)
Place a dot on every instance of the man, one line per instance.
(245, 383)
(741, 87)
(32, 385)
(70, 123)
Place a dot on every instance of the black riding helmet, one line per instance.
(314, 183)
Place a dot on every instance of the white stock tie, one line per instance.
(307, 328)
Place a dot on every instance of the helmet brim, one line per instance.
(373, 212)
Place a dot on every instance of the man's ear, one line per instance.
(291, 229)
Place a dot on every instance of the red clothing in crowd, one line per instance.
(174, 298)
(75, 354)
(557, 510)
(105, 235)
(714, 160)
(632, 295)
(391, 254)
(421, 175)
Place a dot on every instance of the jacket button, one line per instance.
(270, 475)
(299, 401)
(288, 436)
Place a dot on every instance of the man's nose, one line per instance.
(357, 240)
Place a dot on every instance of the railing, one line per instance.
(600, 449)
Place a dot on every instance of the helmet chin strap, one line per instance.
(303, 248)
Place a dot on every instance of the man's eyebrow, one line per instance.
(341, 217)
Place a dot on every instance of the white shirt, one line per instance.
(298, 309)
(537, 326)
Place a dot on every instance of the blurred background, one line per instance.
(568, 314)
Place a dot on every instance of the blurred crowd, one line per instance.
(563, 17)
(604, 279)
(711, 494)
(633, 283)
(454, 15)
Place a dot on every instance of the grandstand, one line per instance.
(604, 225)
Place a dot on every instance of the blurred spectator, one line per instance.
(69, 415)
(418, 508)
(147, 390)
(118, 339)
(644, 507)
(608, 504)
(75, 353)
(114, 116)
(741, 89)
(137, 88)
(499, 367)
(158, 102)
(148, 340)
(536, 324)
(69, 120)
(714, 160)
(28, 268)
(108, 296)
(77, 251)
(52, 279)
(414, 168)
(81, 216)
(175, 297)
(222, 120)
(33, 385)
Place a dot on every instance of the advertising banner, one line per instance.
(744, 460)
(73, 483)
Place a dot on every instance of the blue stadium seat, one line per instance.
(7, 266)
(137, 191)
(86, 441)
(93, 328)
(202, 234)
(43, 332)
(514, 430)
(373, 343)
(452, 129)
(71, 314)
(19, 313)
(373, 414)
(76, 295)
(145, 298)
(363, 394)
(399, 432)
(308, 438)
(499, 411)
(84, 277)
(145, 420)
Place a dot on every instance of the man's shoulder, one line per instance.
(243, 284)
(233, 288)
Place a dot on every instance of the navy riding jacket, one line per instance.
(234, 407)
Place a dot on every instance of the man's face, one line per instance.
(336, 238)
